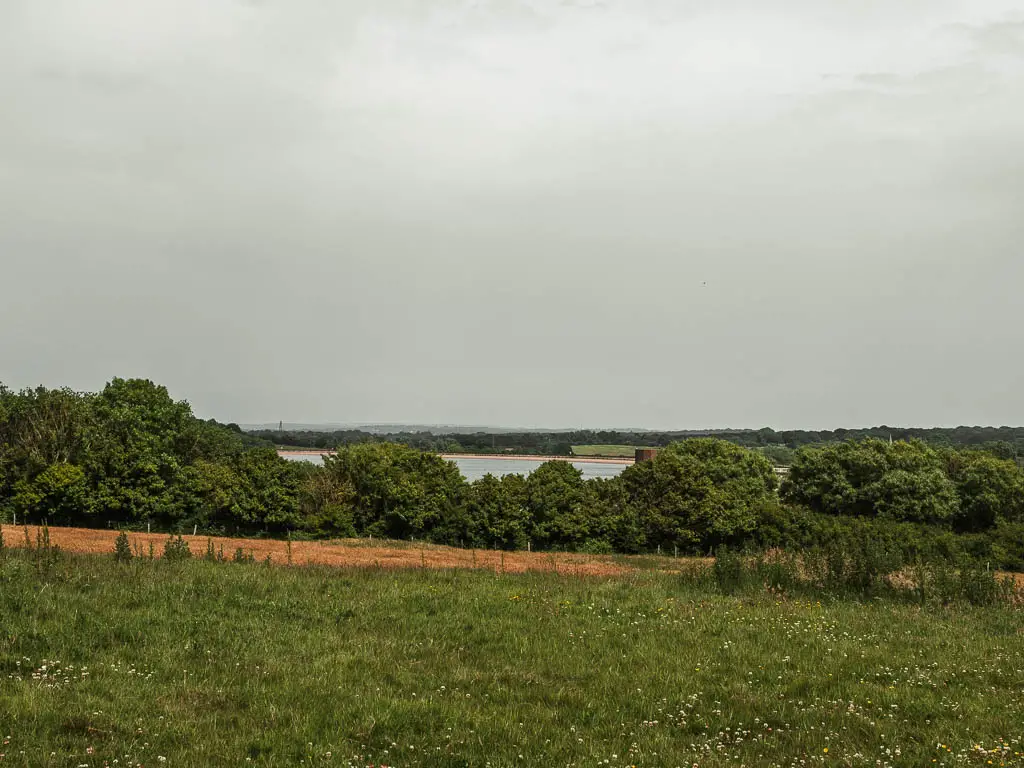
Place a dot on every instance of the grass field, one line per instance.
(203, 664)
(627, 451)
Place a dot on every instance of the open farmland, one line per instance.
(345, 553)
(627, 451)
(208, 664)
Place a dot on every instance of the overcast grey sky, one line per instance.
(658, 213)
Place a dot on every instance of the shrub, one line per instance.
(980, 586)
(597, 547)
(942, 583)
(176, 549)
(46, 553)
(122, 549)
(778, 571)
(728, 570)
(899, 481)
(1008, 546)
(701, 492)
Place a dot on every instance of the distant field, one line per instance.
(347, 553)
(604, 450)
(215, 664)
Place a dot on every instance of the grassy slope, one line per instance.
(604, 450)
(208, 664)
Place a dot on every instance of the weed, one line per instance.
(176, 549)
(46, 553)
(122, 548)
(729, 571)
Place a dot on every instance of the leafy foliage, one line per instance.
(176, 549)
(122, 549)
(396, 491)
(700, 492)
(901, 481)
(131, 456)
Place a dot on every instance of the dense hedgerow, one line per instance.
(132, 457)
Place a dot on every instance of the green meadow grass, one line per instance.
(206, 664)
(604, 450)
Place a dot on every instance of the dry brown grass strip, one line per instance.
(342, 553)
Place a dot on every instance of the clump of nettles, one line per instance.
(122, 550)
(176, 549)
(241, 556)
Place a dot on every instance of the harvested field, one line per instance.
(364, 553)
(344, 553)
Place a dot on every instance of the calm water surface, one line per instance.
(474, 469)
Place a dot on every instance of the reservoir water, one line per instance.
(475, 468)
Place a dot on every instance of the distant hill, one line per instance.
(460, 429)
(394, 429)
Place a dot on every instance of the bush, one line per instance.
(1007, 546)
(778, 571)
(729, 571)
(176, 549)
(899, 481)
(981, 586)
(699, 493)
(122, 549)
(944, 584)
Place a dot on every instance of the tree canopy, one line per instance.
(133, 456)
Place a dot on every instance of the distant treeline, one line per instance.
(1007, 442)
(131, 456)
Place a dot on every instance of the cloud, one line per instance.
(1001, 38)
(495, 211)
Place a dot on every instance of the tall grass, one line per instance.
(208, 663)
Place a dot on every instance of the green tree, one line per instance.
(700, 492)
(398, 491)
(122, 549)
(326, 503)
(134, 464)
(560, 505)
(497, 513)
(902, 481)
(41, 427)
(617, 522)
(991, 490)
(58, 494)
(269, 490)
